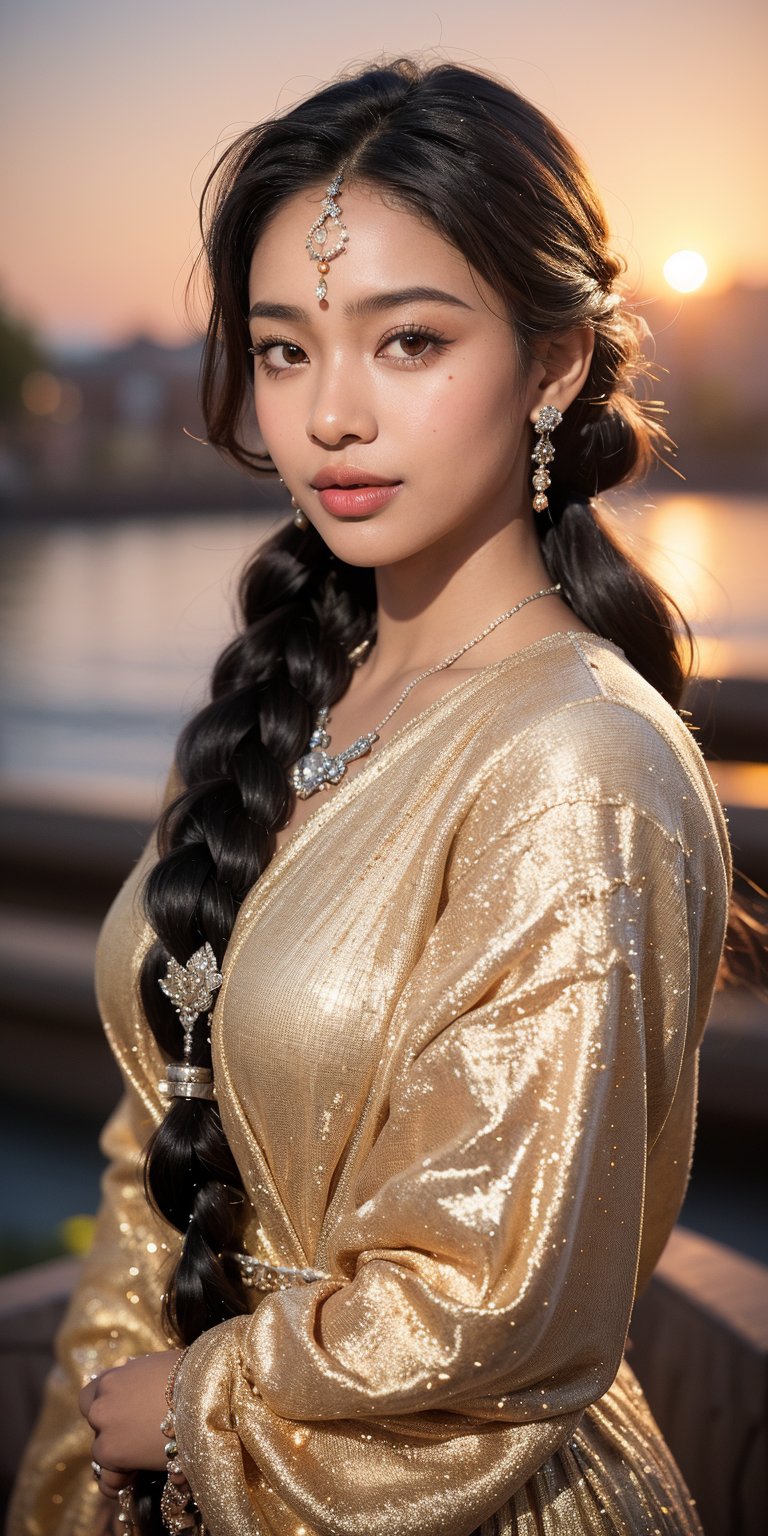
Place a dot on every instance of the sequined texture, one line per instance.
(455, 1054)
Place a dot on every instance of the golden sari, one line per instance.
(455, 1052)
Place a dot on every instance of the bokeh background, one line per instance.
(121, 535)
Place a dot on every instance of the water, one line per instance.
(107, 634)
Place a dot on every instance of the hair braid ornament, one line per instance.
(190, 988)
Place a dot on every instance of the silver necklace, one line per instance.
(318, 768)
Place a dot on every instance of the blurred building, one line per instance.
(122, 430)
(116, 430)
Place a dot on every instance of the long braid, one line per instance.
(302, 614)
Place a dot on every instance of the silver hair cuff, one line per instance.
(184, 1082)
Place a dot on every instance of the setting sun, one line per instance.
(685, 271)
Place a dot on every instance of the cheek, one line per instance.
(465, 417)
(275, 415)
(423, 407)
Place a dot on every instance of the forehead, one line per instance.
(389, 248)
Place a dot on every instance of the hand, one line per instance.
(110, 1482)
(125, 1408)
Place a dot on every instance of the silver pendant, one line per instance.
(318, 768)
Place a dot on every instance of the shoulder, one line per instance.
(574, 723)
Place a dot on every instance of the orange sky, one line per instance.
(113, 114)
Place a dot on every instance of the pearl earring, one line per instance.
(300, 518)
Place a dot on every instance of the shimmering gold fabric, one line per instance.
(455, 1051)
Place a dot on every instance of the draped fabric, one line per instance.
(455, 1052)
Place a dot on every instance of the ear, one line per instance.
(560, 368)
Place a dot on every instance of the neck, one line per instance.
(437, 600)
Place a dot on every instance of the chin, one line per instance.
(361, 541)
(367, 543)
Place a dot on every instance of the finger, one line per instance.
(87, 1395)
(111, 1482)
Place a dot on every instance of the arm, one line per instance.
(483, 1278)
(114, 1313)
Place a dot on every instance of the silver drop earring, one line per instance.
(548, 418)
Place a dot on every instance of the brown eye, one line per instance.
(274, 355)
(412, 344)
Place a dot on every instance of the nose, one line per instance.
(340, 411)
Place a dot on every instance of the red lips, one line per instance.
(345, 475)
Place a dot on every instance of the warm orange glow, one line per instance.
(41, 393)
(744, 784)
(685, 271)
(45, 395)
(693, 546)
(105, 252)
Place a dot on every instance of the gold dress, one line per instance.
(456, 1053)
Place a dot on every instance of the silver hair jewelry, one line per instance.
(328, 223)
(548, 418)
(317, 769)
(190, 988)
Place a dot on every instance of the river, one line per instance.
(107, 633)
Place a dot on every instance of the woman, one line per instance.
(407, 1182)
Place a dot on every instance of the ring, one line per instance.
(96, 1470)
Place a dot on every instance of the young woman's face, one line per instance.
(406, 373)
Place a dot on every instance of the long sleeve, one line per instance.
(114, 1313)
(482, 1278)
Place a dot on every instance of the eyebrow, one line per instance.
(357, 309)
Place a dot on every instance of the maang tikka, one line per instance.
(190, 988)
(329, 223)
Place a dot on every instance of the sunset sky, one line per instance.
(111, 116)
